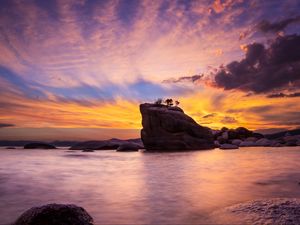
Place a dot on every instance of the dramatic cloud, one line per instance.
(192, 79)
(282, 95)
(211, 115)
(228, 119)
(266, 26)
(263, 69)
(90, 63)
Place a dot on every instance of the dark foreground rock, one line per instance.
(55, 214)
(39, 145)
(111, 144)
(266, 211)
(170, 129)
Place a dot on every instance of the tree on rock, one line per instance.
(169, 102)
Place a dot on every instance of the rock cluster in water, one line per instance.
(266, 211)
(168, 128)
(242, 137)
(55, 214)
(39, 145)
(112, 144)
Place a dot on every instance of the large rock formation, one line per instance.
(169, 128)
(55, 214)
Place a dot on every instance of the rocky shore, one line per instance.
(275, 211)
(242, 137)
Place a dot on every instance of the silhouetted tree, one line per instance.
(177, 102)
(169, 102)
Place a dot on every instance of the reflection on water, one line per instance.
(145, 188)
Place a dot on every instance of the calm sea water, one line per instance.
(145, 188)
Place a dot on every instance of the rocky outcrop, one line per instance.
(168, 128)
(111, 144)
(55, 214)
(266, 211)
(39, 145)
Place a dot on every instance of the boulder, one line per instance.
(217, 144)
(87, 150)
(128, 147)
(291, 138)
(276, 144)
(247, 144)
(263, 142)
(170, 129)
(228, 146)
(243, 132)
(55, 214)
(225, 135)
(253, 139)
(291, 143)
(232, 134)
(236, 142)
(224, 129)
(221, 140)
(258, 135)
(39, 145)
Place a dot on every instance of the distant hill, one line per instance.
(22, 143)
(19, 143)
(283, 133)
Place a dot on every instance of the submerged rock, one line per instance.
(253, 139)
(55, 214)
(236, 142)
(39, 145)
(266, 211)
(217, 144)
(263, 142)
(169, 128)
(247, 144)
(228, 146)
(111, 144)
(128, 147)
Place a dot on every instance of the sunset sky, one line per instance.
(79, 69)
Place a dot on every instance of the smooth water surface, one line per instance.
(145, 188)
